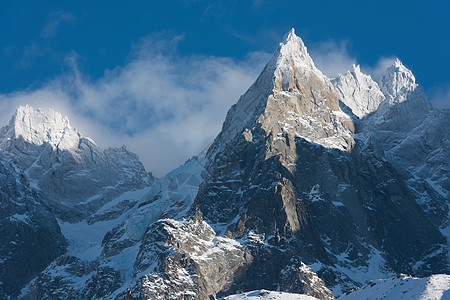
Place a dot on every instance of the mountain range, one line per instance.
(314, 188)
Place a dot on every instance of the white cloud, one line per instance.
(164, 107)
(379, 69)
(55, 20)
(332, 58)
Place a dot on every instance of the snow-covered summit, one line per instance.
(358, 92)
(404, 287)
(57, 161)
(406, 104)
(397, 81)
(290, 96)
(292, 46)
(39, 126)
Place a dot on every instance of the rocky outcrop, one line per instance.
(51, 172)
(30, 237)
(358, 93)
(409, 134)
(314, 193)
(57, 161)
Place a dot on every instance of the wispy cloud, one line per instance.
(440, 97)
(332, 57)
(379, 69)
(55, 20)
(165, 107)
(41, 45)
(31, 52)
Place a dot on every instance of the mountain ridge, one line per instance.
(304, 190)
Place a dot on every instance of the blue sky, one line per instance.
(135, 72)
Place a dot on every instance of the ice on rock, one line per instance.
(397, 81)
(406, 104)
(39, 126)
(358, 92)
(290, 89)
(283, 186)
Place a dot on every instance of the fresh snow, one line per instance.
(358, 92)
(39, 126)
(169, 198)
(268, 295)
(404, 287)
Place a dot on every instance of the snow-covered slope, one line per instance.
(104, 250)
(39, 126)
(30, 238)
(57, 161)
(408, 133)
(54, 175)
(435, 287)
(406, 104)
(290, 97)
(358, 92)
(404, 287)
(293, 174)
(268, 295)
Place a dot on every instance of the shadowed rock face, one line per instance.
(407, 132)
(57, 160)
(48, 171)
(30, 237)
(294, 175)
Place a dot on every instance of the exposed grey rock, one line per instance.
(311, 201)
(30, 237)
(57, 160)
(412, 136)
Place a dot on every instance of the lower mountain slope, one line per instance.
(30, 237)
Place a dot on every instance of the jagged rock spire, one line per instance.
(397, 80)
(358, 92)
(406, 104)
(292, 89)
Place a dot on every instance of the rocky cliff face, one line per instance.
(51, 173)
(410, 135)
(57, 160)
(312, 186)
(316, 196)
(30, 238)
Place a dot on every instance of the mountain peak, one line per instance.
(39, 126)
(292, 92)
(358, 92)
(293, 48)
(289, 35)
(406, 104)
(356, 68)
(397, 80)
